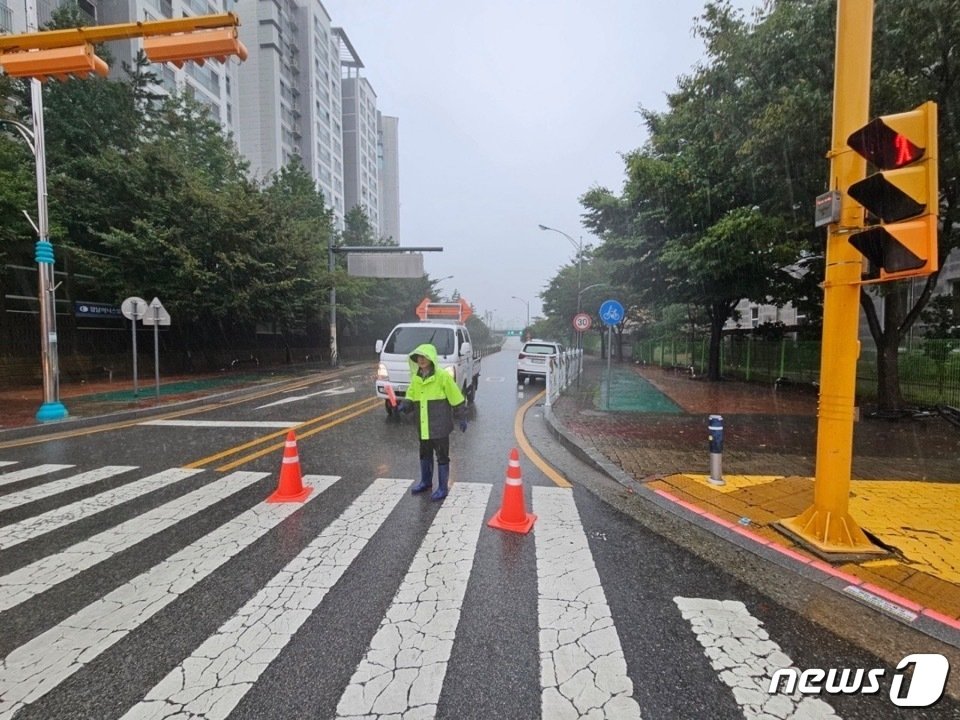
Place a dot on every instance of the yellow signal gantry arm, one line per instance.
(48, 39)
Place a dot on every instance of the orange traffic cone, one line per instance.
(513, 515)
(291, 487)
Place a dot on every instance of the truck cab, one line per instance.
(441, 325)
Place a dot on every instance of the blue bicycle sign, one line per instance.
(611, 312)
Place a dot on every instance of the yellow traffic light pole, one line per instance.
(49, 39)
(41, 54)
(826, 527)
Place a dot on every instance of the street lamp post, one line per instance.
(527, 303)
(52, 408)
(440, 280)
(589, 287)
(579, 247)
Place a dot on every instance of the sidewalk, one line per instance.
(904, 490)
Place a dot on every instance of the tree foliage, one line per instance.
(148, 196)
(720, 197)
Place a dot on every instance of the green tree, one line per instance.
(296, 230)
(691, 225)
(914, 60)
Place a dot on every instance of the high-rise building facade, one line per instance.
(388, 155)
(361, 184)
(300, 94)
(290, 101)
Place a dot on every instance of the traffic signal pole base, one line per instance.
(834, 537)
(51, 411)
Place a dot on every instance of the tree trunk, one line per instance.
(718, 316)
(898, 318)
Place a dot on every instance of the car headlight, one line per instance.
(382, 373)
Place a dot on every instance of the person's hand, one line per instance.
(405, 406)
(463, 426)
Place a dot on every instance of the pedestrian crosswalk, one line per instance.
(403, 666)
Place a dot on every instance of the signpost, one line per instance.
(157, 316)
(134, 308)
(582, 322)
(611, 313)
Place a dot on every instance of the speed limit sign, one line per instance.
(581, 322)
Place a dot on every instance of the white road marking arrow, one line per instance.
(331, 391)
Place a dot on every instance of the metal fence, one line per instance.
(561, 372)
(929, 372)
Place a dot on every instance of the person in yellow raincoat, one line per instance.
(439, 399)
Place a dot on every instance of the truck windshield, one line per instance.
(404, 340)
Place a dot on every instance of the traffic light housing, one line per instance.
(199, 45)
(902, 197)
(60, 63)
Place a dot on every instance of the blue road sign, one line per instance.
(611, 312)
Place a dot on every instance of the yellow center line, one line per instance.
(121, 424)
(267, 438)
(527, 450)
(272, 448)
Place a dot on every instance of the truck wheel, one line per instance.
(389, 407)
(519, 378)
(471, 393)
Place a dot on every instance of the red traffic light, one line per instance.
(903, 194)
(884, 147)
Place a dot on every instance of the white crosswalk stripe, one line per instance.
(582, 668)
(745, 658)
(215, 678)
(30, 472)
(61, 486)
(404, 669)
(38, 666)
(33, 527)
(22, 584)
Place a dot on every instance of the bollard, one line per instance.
(715, 427)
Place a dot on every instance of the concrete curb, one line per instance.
(890, 606)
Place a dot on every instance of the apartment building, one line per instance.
(388, 166)
(300, 93)
(361, 186)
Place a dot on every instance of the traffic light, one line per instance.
(78, 60)
(198, 46)
(902, 197)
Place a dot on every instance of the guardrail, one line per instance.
(561, 371)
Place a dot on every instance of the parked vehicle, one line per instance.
(534, 358)
(443, 326)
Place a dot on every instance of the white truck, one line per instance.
(443, 326)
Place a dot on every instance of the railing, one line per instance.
(561, 371)
(929, 371)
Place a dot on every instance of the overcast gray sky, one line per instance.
(509, 110)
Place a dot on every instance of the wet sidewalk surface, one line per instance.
(904, 489)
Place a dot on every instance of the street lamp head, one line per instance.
(543, 227)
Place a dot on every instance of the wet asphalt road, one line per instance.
(684, 608)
